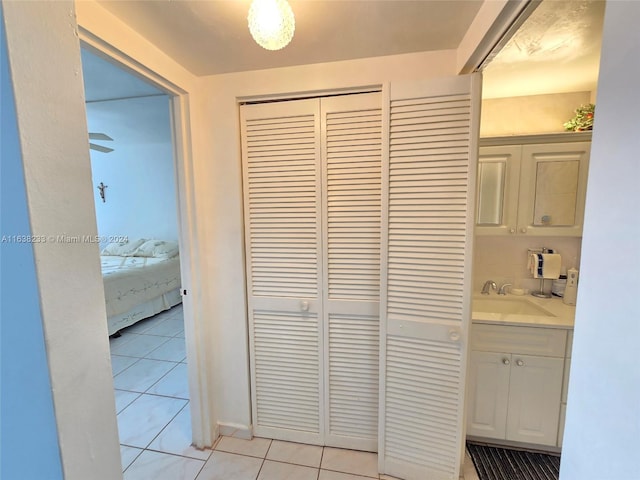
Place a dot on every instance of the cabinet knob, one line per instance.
(523, 230)
(512, 230)
(506, 361)
(519, 362)
(304, 306)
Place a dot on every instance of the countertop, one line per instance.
(559, 314)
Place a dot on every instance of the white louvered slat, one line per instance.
(281, 164)
(422, 388)
(286, 368)
(281, 167)
(353, 152)
(353, 376)
(423, 222)
(427, 233)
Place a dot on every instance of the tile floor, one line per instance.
(152, 401)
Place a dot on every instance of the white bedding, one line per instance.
(132, 281)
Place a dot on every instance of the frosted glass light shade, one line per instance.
(271, 23)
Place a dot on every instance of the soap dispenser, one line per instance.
(571, 290)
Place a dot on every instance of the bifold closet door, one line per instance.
(282, 192)
(352, 157)
(312, 220)
(428, 216)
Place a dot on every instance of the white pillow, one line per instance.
(123, 249)
(157, 249)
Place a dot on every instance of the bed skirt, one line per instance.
(148, 309)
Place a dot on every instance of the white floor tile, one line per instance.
(176, 438)
(140, 422)
(329, 475)
(256, 447)
(160, 466)
(350, 461)
(143, 325)
(115, 342)
(173, 384)
(128, 455)
(169, 328)
(286, 471)
(298, 453)
(142, 375)
(229, 466)
(120, 364)
(124, 399)
(174, 350)
(140, 346)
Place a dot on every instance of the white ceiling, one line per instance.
(556, 50)
(211, 37)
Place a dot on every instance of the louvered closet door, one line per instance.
(428, 196)
(352, 152)
(281, 166)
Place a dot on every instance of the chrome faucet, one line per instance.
(488, 285)
(503, 288)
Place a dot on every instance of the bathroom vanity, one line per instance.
(519, 369)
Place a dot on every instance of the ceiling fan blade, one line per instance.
(100, 136)
(100, 148)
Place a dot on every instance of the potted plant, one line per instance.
(583, 119)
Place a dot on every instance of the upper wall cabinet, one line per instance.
(532, 185)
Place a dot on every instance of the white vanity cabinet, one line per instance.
(515, 383)
(532, 185)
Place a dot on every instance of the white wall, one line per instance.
(602, 432)
(531, 114)
(141, 193)
(52, 127)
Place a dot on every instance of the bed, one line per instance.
(141, 278)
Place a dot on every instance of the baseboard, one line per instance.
(235, 430)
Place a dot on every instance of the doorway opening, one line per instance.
(134, 172)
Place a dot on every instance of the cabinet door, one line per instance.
(534, 399)
(488, 393)
(553, 188)
(497, 190)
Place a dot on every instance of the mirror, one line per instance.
(491, 175)
(556, 193)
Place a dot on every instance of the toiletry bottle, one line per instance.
(571, 290)
(558, 286)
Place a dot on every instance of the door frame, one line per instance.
(197, 365)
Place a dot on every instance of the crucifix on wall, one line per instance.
(102, 187)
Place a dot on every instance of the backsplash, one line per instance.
(503, 259)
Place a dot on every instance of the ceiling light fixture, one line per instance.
(271, 23)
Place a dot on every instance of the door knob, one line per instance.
(304, 306)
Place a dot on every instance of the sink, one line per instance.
(508, 306)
